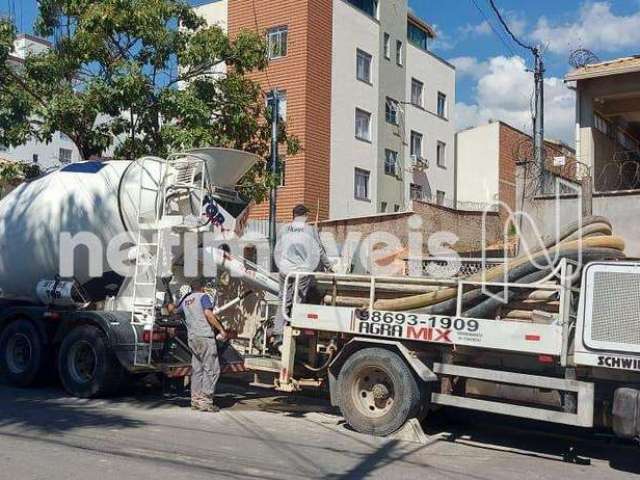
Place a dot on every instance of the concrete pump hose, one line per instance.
(573, 231)
(484, 309)
(424, 300)
(488, 307)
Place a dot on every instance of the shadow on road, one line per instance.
(535, 439)
(48, 412)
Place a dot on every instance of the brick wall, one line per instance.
(517, 146)
(305, 74)
(510, 141)
(466, 225)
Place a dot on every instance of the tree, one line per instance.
(139, 76)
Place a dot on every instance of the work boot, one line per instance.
(197, 401)
(208, 407)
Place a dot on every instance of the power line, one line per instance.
(494, 29)
(508, 30)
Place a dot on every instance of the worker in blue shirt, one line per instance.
(203, 326)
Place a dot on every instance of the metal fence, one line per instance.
(621, 173)
(452, 267)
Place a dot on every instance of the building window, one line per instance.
(363, 125)
(387, 46)
(399, 52)
(417, 93)
(363, 66)
(440, 197)
(361, 184)
(442, 105)
(277, 42)
(416, 144)
(282, 104)
(391, 111)
(396, 208)
(65, 155)
(417, 36)
(281, 171)
(383, 207)
(415, 191)
(34, 158)
(390, 162)
(441, 151)
(370, 7)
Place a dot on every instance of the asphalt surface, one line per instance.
(46, 435)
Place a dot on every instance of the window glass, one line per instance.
(442, 105)
(387, 46)
(417, 36)
(282, 104)
(441, 154)
(417, 93)
(65, 155)
(369, 7)
(399, 52)
(391, 111)
(363, 66)
(361, 187)
(416, 144)
(277, 42)
(363, 125)
(390, 162)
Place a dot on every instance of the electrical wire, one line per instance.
(493, 28)
(508, 30)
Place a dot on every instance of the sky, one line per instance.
(492, 78)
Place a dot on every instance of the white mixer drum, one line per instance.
(94, 198)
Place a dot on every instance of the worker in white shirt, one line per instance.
(299, 249)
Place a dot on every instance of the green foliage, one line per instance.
(12, 173)
(137, 76)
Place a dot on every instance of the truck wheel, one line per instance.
(88, 368)
(22, 353)
(378, 392)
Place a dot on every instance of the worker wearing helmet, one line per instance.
(203, 326)
(299, 249)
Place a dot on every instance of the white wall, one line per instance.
(352, 29)
(437, 76)
(479, 163)
(27, 45)
(215, 13)
(48, 154)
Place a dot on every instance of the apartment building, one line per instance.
(61, 149)
(361, 90)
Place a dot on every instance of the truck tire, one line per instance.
(88, 367)
(23, 354)
(378, 392)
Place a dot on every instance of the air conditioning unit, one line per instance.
(419, 163)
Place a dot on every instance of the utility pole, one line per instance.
(273, 169)
(538, 121)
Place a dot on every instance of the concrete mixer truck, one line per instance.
(86, 265)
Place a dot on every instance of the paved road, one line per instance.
(46, 435)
